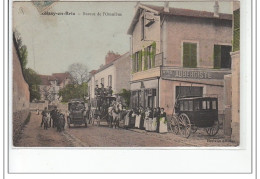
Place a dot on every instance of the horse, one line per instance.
(116, 114)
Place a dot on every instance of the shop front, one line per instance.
(145, 93)
(184, 82)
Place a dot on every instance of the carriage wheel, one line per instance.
(173, 125)
(194, 128)
(184, 125)
(214, 129)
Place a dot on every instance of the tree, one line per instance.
(72, 91)
(78, 73)
(33, 80)
(125, 94)
(22, 50)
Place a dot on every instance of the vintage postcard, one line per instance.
(125, 74)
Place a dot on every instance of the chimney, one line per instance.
(166, 6)
(216, 9)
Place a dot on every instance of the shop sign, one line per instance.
(172, 73)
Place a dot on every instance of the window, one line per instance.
(196, 105)
(102, 81)
(222, 58)
(109, 80)
(204, 104)
(142, 28)
(189, 91)
(189, 55)
(186, 105)
(138, 61)
(190, 105)
(214, 104)
(181, 105)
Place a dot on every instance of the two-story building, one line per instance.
(178, 52)
(51, 84)
(115, 73)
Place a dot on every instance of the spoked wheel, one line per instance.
(194, 128)
(212, 131)
(173, 125)
(184, 125)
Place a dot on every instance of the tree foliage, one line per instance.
(33, 80)
(126, 95)
(78, 73)
(72, 91)
(22, 50)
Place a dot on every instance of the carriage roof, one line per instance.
(197, 98)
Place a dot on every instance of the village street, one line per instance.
(92, 136)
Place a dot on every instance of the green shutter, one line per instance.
(193, 53)
(236, 32)
(140, 61)
(145, 59)
(217, 56)
(190, 55)
(186, 55)
(153, 54)
(133, 63)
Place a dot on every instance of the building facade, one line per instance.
(115, 73)
(51, 84)
(178, 52)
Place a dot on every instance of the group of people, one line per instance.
(149, 119)
(54, 118)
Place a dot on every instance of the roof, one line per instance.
(176, 12)
(110, 64)
(191, 98)
(45, 79)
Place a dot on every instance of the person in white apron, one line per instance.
(146, 120)
(137, 119)
(163, 122)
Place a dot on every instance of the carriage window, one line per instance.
(204, 105)
(208, 104)
(196, 105)
(186, 105)
(214, 105)
(181, 105)
(190, 105)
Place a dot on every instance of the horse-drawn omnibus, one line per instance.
(99, 109)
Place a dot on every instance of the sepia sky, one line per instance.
(55, 42)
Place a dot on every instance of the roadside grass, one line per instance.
(18, 136)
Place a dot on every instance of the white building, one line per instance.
(115, 73)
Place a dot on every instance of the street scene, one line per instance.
(126, 74)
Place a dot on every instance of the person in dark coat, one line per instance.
(44, 114)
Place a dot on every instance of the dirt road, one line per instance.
(92, 136)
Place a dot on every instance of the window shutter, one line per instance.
(186, 55)
(153, 53)
(140, 61)
(190, 55)
(217, 56)
(133, 63)
(193, 57)
(236, 33)
(145, 59)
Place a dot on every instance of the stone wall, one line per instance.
(21, 96)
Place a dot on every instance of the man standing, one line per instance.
(44, 114)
